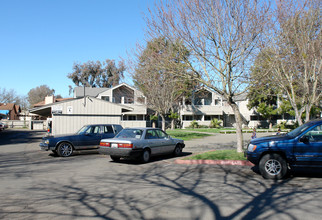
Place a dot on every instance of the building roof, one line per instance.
(89, 91)
(8, 106)
(55, 100)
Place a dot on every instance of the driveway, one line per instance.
(36, 185)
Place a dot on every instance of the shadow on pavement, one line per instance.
(13, 136)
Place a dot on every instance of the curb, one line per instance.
(215, 162)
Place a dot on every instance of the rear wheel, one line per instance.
(145, 156)
(114, 158)
(65, 149)
(272, 166)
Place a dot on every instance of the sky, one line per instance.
(40, 40)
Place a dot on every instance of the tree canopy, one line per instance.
(38, 94)
(97, 74)
(156, 74)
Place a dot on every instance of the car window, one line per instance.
(130, 133)
(96, 129)
(162, 134)
(118, 128)
(151, 134)
(315, 135)
(108, 129)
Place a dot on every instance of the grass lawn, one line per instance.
(185, 135)
(209, 130)
(218, 155)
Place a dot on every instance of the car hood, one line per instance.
(270, 138)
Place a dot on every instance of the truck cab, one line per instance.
(301, 147)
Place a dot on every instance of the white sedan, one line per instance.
(140, 143)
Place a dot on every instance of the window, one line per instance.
(108, 129)
(217, 102)
(106, 98)
(315, 135)
(151, 134)
(187, 118)
(161, 134)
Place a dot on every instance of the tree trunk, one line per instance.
(239, 123)
(172, 124)
(307, 110)
(163, 122)
(153, 124)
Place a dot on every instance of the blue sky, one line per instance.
(40, 40)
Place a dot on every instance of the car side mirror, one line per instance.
(304, 139)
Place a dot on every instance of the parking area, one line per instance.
(35, 184)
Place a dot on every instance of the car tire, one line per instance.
(273, 166)
(177, 151)
(65, 149)
(115, 158)
(145, 157)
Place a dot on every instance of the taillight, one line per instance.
(125, 145)
(105, 144)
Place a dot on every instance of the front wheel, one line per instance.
(272, 166)
(65, 149)
(177, 151)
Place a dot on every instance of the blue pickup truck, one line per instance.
(301, 147)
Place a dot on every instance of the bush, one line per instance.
(194, 124)
(215, 123)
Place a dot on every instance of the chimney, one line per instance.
(49, 99)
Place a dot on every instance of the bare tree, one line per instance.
(293, 54)
(222, 37)
(97, 74)
(8, 96)
(155, 73)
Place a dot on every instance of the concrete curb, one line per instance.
(215, 162)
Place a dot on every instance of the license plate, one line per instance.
(114, 146)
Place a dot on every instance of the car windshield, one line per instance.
(83, 130)
(298, 130)
(130, 133)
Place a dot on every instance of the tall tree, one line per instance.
(222, 37)
(155, 74)
(293, 53)
(97, 74)
(38, 94)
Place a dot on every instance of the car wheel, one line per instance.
(65, 149)
(145, 156)
(177, 151)
(272, 166)
(114, 158)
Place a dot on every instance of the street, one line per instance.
(35, 184)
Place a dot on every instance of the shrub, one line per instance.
(194, 124)
(215, 123)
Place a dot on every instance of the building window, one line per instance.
(217, 101)
(187, 118)
(133, 117)
(106, 98)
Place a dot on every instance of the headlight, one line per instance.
(251, 148)
(46, 141)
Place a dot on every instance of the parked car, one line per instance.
(1, 126)
(301, 147)
(140, 143)
(87, 138)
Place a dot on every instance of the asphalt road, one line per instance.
(35, 184)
